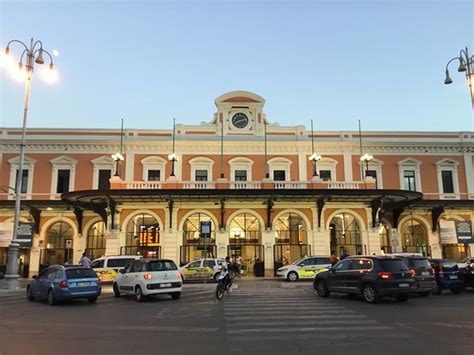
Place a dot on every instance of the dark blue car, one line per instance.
(63, 283)
(448, 276)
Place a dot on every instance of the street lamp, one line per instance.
(315, 158)
(172, 158)
(466, 64)
(31, 55)
(118, 159)
(366, 158)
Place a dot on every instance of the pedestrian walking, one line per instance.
(85, 261)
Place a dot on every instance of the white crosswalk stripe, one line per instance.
(282, 314)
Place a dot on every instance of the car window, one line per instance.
(128, 267)
(306, 262)
(342, 265)
(81, 273)
(161, 265)
(449, 265)
(419, 263)
(59, 274)
(394, 265)
(322, 261)
(136, 266)
(194, 264)
(209, 263)
(51, 273)
(118, 262)
(97, 264)
(43, 274)
(361, 264)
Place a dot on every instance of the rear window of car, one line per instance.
(81, 274)
(322, 261)
(161, 265)
(419, 263)
(118, 262)
(393, 265)
(449, 265)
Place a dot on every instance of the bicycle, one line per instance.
(223, 286)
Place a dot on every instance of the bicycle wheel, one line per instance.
(220, 290)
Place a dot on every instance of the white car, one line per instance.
(305, 268)
(107, 267)
(146, 277)
(199, 269)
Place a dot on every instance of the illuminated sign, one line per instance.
(149, 236)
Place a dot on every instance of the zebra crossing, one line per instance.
(274, 314)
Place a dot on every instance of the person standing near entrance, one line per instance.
(85, 261)
(334, 259)
(238, 263)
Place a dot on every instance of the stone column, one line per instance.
(321, 242)
(79, 245)
(268, 241)
(170, 245)
(222, 241)
(436, 248)
(34, 256)
(373, 241)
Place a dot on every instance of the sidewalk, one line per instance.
(5, 288)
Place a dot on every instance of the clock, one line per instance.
(240, 120)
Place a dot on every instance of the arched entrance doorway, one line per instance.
(414, 237)
(57, 245)
(291, 242)
(346, 235)
(96, 240)
(197, 244)
(245, 240)
(142, 236)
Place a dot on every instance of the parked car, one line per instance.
(304, 268)
(146, 277)
(372, 277)
(466, 269)
(422, 272)
(107, 267)
(448, 276)
(199, 269)
(62, 283)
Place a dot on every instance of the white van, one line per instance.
(107, 267)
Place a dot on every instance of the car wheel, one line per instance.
(369, 293)
(456, 291)
(436, 291)
(424, 294)
(51, 298)
(92, 299)
(29, 294)
(292, 276)
(402, 298)
(322, 289)
(116, 290)
(176, 295)
(138, 294)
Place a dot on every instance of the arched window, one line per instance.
(58, 244)
(96, 240)
(290, 229)
(142, 236)
(345, 235)
(415, 237)
(197, 245)
(245, 229)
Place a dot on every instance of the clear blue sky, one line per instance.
(333, 61)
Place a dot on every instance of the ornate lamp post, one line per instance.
(32, 54)
(118, 159)
(173, 158)
(366, 158)
(466, 64)
(314, 157)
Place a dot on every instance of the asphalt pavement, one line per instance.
(258, 317)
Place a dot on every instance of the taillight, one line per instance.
(413, 272)
(148, 276)
(180, 275)
(385, 275)
(63, 284)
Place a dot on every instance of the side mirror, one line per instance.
(122, 271)
(35, 277)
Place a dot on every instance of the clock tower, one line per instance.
(240, 113)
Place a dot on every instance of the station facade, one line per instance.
(237, 184)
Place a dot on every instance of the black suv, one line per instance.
(371, 277)
(422, 272)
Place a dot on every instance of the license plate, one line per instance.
(165, 285)
(83, 284)
(453, 277)
(425, 273)
(404, 285)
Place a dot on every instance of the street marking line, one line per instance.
(258, 323)
(325, 336)
(296, 317)
(287, 312)
(308, 329)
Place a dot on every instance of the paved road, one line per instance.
(262, 317)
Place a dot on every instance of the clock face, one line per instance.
(240, 120)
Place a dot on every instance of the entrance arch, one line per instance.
(196, 244)
(142, 236)
(414, 236)
(58, 243)
(96, 239)
(345, 233)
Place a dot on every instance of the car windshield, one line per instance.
(394, 265)
(449, 265)
(466, 260)
(161, 265)
(297, 261)
(419, 263)
(121, 262)
(81, 274)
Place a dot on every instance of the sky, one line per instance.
(336, 62)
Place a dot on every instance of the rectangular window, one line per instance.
(63, 181)
(104, 177)
(325, 175)
(447, 177)
(241, 175)
(24, 181)
(373, 174)
(279, 175)
(409, 179)
(201, 175)
(154, 175)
